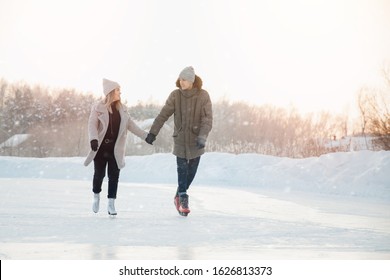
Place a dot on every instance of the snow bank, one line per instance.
(362, 174)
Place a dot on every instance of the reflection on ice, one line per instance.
(66, 251)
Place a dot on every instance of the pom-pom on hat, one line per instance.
(188, 74)
(109, 86)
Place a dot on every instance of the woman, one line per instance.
(107, 126)
(192, 109)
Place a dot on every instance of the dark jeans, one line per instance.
(100, 162)
(186, 170)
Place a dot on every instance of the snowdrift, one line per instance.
(361, 174)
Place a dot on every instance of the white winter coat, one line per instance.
(97, 128)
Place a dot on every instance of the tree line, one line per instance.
(374, 108)
(57, 119)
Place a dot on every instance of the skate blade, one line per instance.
(184, 214)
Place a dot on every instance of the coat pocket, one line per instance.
(176, 131)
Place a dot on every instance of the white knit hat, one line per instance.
(188, 74)
(109, 86)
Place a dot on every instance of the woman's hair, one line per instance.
(197, 83)
(110, 99)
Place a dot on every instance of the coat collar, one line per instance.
(101, 107)
(189, 93)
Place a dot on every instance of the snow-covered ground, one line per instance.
(246, 206)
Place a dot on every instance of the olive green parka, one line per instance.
(193, 118)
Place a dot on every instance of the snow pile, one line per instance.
(362, 174)
(15, 140)
(352, 143)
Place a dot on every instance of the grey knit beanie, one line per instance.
(188, 74)
(109, 86)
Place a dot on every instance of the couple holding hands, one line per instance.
(109, 122)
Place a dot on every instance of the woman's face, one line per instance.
(116, 94)
(185, 84)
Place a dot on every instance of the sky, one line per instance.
(313, 55)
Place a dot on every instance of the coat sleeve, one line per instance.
(93, 123)
(165, 113)
(135, 129)
(206, 122)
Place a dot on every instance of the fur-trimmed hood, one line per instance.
(198, 83)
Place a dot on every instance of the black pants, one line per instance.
(100, 162)
(186, 170)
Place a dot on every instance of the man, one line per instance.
(192, 110)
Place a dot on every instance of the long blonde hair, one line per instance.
(110, 99)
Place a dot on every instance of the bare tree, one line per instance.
(3, 87)
(374, 106)
(363, 108)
